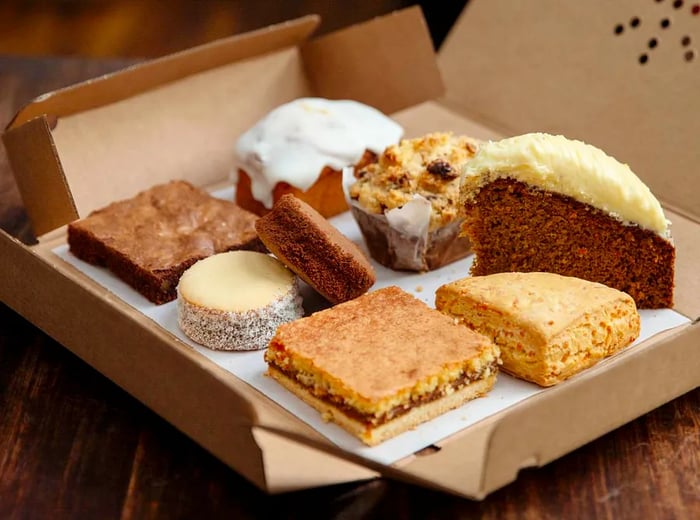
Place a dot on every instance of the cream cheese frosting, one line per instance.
(295, 141)
(568, 167)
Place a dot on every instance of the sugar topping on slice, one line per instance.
(236, 281)
(568, 167)
(295, 141)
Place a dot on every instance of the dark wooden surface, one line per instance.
(73, 445)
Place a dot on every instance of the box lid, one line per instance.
(79, 148)
(623, 76)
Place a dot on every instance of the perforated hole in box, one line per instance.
(664, 24)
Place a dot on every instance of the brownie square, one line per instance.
(149, 240)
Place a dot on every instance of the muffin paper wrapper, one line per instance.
(401, 238)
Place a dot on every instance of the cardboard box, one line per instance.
(508, 69)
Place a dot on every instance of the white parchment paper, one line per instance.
(250, 366)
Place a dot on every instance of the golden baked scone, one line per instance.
(407, 203)
(548, 327)
(382, 363)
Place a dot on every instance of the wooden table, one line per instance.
(74, 445)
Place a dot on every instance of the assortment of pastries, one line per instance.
(568, 243)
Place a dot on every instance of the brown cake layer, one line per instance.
(514, 227)
(315, 250)
(149, 240)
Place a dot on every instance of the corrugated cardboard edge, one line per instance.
(387, 64)
(329, 57)
(212, 407)
(487, 456)
(151, 74)
(28, 139)
(37, 169)
(589, 406)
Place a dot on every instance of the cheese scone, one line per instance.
(547, 326)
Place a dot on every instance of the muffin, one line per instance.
(406, 204)
(302, 147)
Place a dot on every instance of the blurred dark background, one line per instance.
(148, 28)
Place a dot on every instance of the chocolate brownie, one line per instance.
(315, 250)
(149, 240)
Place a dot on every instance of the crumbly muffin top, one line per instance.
(429, 166)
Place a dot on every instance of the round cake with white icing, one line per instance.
(301, 147)
(236, 300)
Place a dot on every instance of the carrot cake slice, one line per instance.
(382, 363)
(539, 202)
(548, 327)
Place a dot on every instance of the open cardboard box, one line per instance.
(508, 69)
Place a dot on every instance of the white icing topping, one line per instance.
(235, 281)
(295, 141)
(568, 167)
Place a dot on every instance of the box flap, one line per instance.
(178, 117)
(576, 68)
(151, 74)
(375, 62)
